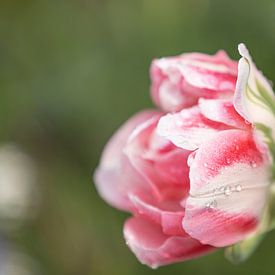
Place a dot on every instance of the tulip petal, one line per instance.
(229, 178)
(170, 96)
(168, 214)
(188, 128)
(254, 98)
(223, 111)
(159, 161)
(115, 173)
(178, 82)
(154, 248)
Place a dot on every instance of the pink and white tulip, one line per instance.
(197, 179)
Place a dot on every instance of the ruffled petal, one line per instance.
(223, 111)
(154, 248)
(188, 128)
(115, 174)
(229, 178)
(159, 161)
(178, 82)
(168, 214)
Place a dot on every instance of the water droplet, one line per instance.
(228, 190)
(205, 164)
(246, 122)
(211, 205)
(238, 188)
(253, 164)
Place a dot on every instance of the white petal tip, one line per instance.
(243, 50)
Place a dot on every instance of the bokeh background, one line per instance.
(71, 71)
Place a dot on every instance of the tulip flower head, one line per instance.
(196, 173)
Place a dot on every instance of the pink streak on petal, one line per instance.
(227, 148)
(188, 128)
(223, 111)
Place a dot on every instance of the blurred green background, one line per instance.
(71, 71)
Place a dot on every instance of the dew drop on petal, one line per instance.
(211, 205)
(238, 188)
(228, 190)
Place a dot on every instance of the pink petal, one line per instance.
(229, 179)
(115, 173)
(168, 214)
(211, 78)
(159, 161)
(188, 128)
(113, 185)
(171, 97)
(223, 111)
(154, 248)
(220, 58)
(178, 82)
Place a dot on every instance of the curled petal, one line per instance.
(168, 214)
(254, 98)
(162, 164)
(188, 128)
(223, 111)
(154, 248)
(115, 173)
(229, 179)
(178, 82)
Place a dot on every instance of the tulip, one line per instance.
(197, 174)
